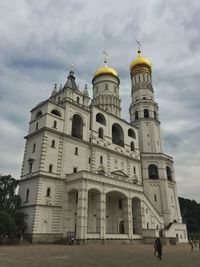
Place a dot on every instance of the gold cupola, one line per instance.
(139, 60)
(105, 69)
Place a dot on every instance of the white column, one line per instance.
(82, 214)
(103, 215)
(130, 219)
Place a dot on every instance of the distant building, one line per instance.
(88, 171)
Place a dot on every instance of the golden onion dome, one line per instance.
(139, 60)
(105, 70)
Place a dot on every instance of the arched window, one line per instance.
(77, 100)
(55, 124)
(50, 168)
(155, 115)
(153, 172)
(131, 133)
(101, 133)
(117, 135)
(121, 227)
(132, 146)
(136, 115)
(77, 126)
(100, 118)
(48, 192)
(76, 151)
(146, 113)
(27, 195)
(39, 114)
(56, 112)
(169, 173)
(101, 159)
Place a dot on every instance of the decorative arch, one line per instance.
(117, 191)
(117, 135)
(77, 126)
(146, 113)
(131, 133)
(153, 172)
(100, 118)
(56, 112)
(169, 173)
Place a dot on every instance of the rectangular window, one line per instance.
(53, 143)
(34, 145)
(155, 198)
(89, 160)
(74, 169)
(30, 167)
(101, 159)
(55, 124)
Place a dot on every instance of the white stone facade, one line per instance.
(87, 171)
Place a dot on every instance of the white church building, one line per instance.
(89, 172)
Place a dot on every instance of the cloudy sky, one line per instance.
(39, 40)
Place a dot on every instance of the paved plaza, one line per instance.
(96, 255)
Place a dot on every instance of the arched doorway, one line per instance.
(121, 227)
(137, 215)
(116, 213)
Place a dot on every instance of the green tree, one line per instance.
(10, 204)
(9, 200)
(7, 224)
(190, 211)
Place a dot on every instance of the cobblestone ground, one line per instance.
(96, 255)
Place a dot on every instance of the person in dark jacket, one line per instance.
(158, 248)
(155, 247)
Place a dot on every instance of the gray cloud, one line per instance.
(40, 40)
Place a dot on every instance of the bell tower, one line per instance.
(144, 110)
(106, 89)
(157, 167)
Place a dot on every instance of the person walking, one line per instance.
(155, 246)
(159, 248)
(191, 244)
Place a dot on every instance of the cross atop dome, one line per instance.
(139, 47)
(105, 55)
